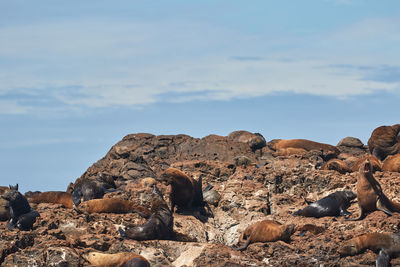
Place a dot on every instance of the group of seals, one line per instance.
(158, 226)
(335, 204)
(22, 216)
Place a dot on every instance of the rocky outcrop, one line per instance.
(246, 183)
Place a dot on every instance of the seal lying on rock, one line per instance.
(265, 231)
(370, 195)
(55, 197)
(159, 225)
(22, 216)
(113, 205)
(387, 244)
(304, 145)
(335, 204)
(117, 259)
(4, 206)
(384, 141)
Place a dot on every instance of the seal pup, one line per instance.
(116, 259)
(55, 197)
(113, 205)
(335, 204)
(370, 195)
(389, 242)
(265, 231)
(22, 216)
(158, 226)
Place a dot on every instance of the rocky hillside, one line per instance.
(252, 180)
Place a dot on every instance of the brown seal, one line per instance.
(384, 141)
(304, 144)
(158, 226)
(265, 231)
(337, 165)
(375, 162)
(4, 205)
(389, 242)
(186, 192)
(116, 259)
(391, 163)
(55, 197)
(370, 195)
(113, 205)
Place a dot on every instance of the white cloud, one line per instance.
(97, 63)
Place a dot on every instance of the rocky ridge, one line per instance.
(251, 182)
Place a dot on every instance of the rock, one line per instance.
(351, 142)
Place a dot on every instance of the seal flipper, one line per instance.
(380, 206)
(344, 212)
(383, 259)
(362, 216)
(245, 245)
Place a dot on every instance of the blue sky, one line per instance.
(77, 76)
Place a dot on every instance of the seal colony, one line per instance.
(186, 194)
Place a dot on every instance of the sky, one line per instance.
(77, 76)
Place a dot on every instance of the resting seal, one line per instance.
(55, 197)
(265, 231)
(306, 145)
(391, 163)
(384, 141)
(113, 205)
(22, 216)
(370, 195)
(335, 204)
(389, 243)
(160, 224)
(117, 259)
(92, 189)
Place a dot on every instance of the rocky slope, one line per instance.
(250, 182)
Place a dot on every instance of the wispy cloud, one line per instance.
(98, 63)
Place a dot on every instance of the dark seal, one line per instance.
(335, 204)
(158, 226)
(92, 189)
(22, 216)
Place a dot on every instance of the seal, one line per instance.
(92, 189)
(384, 141)
(304, 144)
(265, 231)
(159, 225)
(391, 163)
(370, 195)
(375, 162)
(186, 192)
(55, 197)
(389, 242)
(113, 205)
(335, 204)
(4, 206)
(337, 165)
(116, 259)
(22, 216)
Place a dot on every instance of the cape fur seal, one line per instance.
(265, 231)
(370, 195)
(4, 205)
(22, 216)
(116, 259)
(337, 165)
(375, 162)
(304, 144)
(335, 204)
(92, 189)
(391, 163)
(389, 242)
(159, 225)
(384, 141)
(113, 205)
(55, 197)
